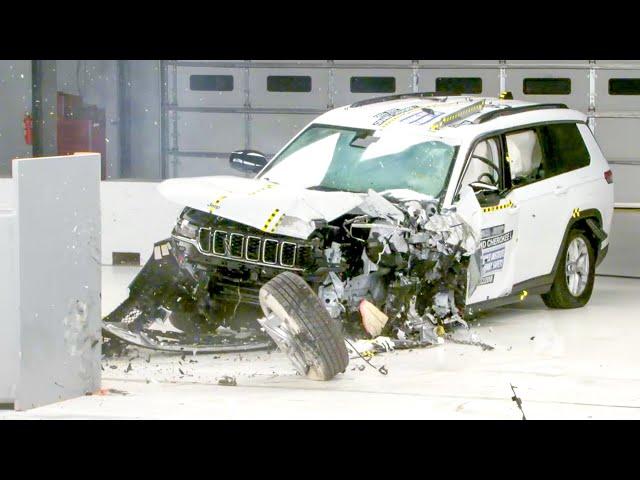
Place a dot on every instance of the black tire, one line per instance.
(319, 336)
(560, 295)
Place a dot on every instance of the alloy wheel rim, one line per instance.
(577, 266)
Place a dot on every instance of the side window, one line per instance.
(524, 155)
(564, 148)
(484, 164)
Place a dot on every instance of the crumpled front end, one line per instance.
(396, 264)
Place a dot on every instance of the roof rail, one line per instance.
(402, 96)
(485, 117)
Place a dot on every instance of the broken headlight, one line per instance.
(184, 228)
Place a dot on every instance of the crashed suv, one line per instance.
(393, 217)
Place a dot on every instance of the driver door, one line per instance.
(484, 172)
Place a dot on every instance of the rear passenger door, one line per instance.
(542, 199)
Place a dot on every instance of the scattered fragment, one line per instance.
(518, 401)
(477, 343)
(228, 381)
(129, 368)
(109, 391)
(373, 319)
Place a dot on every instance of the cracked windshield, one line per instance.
(338, 158)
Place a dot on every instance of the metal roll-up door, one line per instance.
(617, 128)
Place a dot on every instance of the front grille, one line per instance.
(254, 249)
(236, 245)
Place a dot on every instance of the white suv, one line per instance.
(423, 206)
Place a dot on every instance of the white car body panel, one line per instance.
(498, 238)
(284, 210)
(520, 243)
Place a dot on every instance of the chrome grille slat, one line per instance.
(219, 240)
(265, 246)
(236, 244)
(253, 242)
(288, 249)
(205, 239)
(252, 249)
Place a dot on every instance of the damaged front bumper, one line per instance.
(170, 308)
(410, 261)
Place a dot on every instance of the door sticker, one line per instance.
(493, 247)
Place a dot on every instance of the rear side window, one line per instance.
(564, 148)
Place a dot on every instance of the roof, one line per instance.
(450, 116)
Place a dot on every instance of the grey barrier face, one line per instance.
(58, 251)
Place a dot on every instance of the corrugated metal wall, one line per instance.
(15, 100)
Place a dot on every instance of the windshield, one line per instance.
(340, 158)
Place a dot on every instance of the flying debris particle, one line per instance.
(113, 367)
(518, 401)
(532, 338)
(228, 381)
(109, 391)
(129, 368)
(181, 372)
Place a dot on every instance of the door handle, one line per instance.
(560, 190)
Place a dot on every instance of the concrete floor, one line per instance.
(572, 364)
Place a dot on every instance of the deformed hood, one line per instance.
(271, 207)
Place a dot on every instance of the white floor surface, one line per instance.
(566, 364)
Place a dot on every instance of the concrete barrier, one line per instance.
(50, 265)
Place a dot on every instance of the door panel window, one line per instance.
(524, 154)
(484, 164)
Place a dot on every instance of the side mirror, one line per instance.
(483, 187)
(247, 160)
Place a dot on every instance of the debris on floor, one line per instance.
(109, 391)
(227, 381)
(518, 401)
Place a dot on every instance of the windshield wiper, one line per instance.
(323, 188)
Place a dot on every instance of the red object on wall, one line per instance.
(81, 128)
(27, 122)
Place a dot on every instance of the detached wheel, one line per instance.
(573, 284)
(302, 327)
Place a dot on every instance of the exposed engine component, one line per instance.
(399, 268)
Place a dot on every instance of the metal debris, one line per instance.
(109, 391)
(227, 381)
(474, 342)
(518, 400)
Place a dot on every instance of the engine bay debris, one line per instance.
(392, 272)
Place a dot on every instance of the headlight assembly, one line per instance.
(186, 229)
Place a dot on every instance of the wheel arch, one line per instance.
(588, 222)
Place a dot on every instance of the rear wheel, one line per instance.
(573, 283)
